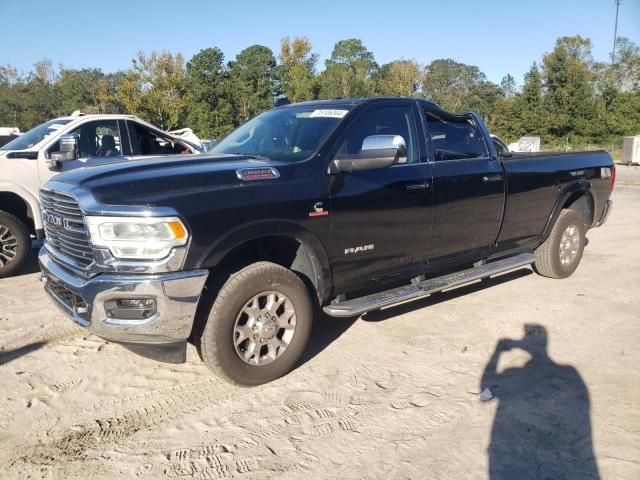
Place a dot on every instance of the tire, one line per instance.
(241, 315)
(550, 261)
(15, 244)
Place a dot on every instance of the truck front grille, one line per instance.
(64, 227)
(68, 300)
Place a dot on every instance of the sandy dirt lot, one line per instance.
(394, 394)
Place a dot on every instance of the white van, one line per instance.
(63, 144)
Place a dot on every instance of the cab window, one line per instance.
(454, 138)
(391, 120)
(100, 138)
(145, 141)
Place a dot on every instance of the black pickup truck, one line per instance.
(343, 205)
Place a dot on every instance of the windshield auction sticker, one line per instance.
(328, 113)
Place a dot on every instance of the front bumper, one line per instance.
(162, 336)
(605, 214)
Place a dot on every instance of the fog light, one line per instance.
(131, 308)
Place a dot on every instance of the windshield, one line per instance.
(35, 135)
(287, 134)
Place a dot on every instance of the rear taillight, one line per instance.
(612, 180)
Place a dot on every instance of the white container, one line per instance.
(631, 150)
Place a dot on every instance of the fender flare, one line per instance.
(582, 187)
(28, 198)
(269, 228)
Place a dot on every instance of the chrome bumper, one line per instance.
(605, 214)
(83, 299)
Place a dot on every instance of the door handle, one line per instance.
(492, 178)
(417, 186)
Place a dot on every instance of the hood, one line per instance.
(150, 182)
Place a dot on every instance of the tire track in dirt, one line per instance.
(76, 441)
(50, 334)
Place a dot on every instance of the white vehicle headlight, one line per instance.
(136, 237)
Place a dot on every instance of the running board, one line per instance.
(358, 306)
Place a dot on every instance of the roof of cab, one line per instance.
(95, 115)
(350, 102)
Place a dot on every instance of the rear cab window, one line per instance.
(146, 141)
(454, 137)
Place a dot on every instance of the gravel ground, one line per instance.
(394, 394)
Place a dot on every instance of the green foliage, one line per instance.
(569, 87)
(252, 82)
(297, 69)
(349, 72)
(567, 98)
(625, 71)
(400, 78)
(77, 90)
(457, 87)
(154, 89)
(206, 80)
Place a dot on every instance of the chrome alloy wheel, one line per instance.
(264, 328)
(569, 245)
(8, 245)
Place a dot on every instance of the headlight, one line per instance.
(137, 238)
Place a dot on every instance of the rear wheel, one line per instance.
(560, 254)
(258, 326)
(14, 244)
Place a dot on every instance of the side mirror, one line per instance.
(68, 151)
(378, 151)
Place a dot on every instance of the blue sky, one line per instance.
(498, 36)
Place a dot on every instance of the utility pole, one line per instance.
(615, 34)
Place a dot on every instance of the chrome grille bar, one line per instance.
(64, 227)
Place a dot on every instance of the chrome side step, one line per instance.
(358, 306)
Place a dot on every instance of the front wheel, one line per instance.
(560, 254)
(258, 326)
(14, 244)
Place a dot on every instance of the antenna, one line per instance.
(615, 34)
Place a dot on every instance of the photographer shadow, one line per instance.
(542, 426)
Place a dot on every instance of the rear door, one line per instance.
(381, 218)
(468, 191)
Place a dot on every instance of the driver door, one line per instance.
(381, 218)
(99, 142)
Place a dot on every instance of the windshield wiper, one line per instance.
(255, 156)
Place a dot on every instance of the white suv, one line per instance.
(63, 144)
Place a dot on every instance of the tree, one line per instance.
(626, 65)
(37, 100)
(107, 100)
(350, 71)
(459, 87)
(154, 89)
(297, 69)
(77, 90)
(521, 114)
(209, 112)
(569, 87)
(508, 86)
(449, 83)
(252, 82)
(9, 100)
(400, 78)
